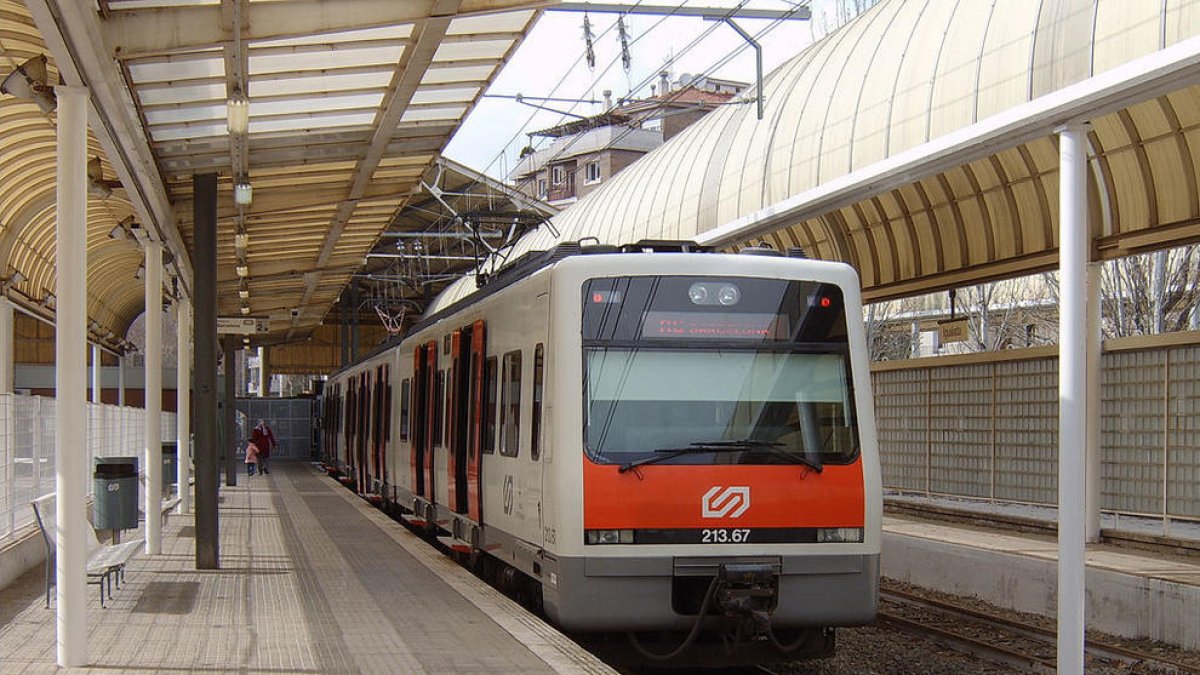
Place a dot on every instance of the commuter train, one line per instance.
(652, 440)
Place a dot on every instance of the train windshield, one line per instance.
(693, 370)
(764, 406)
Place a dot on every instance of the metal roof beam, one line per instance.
(72, 33)
(686, 10)
(164, 30)
(426, 38)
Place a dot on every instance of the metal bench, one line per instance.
(104, 562)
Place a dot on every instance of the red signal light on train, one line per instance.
(825, 302)
(597, 298)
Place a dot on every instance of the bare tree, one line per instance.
(1147, 293)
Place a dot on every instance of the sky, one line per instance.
(550, 63)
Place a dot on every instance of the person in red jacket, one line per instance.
(264, 439)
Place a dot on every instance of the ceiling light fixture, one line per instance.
(50, 301)
(245, 310)
(243, 290)
(240, 241)
(243, 192)
(237, 111)
(242, 270)
(29, 82)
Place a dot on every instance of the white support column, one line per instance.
(183, 396)
(1072, 393)
(95, 373)
(121, 381)
(1094, 346)
(153, 368)
(6, 346)
(70, 379)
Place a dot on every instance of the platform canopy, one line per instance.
(917, 144)
(349, 104)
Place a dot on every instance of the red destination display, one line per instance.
(709, 325)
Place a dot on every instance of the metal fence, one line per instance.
(985, 426)
(291, 419)
(27, 447)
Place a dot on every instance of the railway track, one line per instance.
(1005, 642)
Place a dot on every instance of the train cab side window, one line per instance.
(489, 405)
(404, 385)
(510, 405)
(535, 432)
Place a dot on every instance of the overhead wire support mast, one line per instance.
(758, 63)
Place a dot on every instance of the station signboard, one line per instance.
(954, 330)
(242, 325)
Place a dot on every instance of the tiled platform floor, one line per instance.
(313, 580)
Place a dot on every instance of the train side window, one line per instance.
(489, 405)
(536, 426)
(439, 407)
(404, 384)
(510, 405)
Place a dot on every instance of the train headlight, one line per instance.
(698, 294)
(831, 535)
(609, 537)
(729, 295)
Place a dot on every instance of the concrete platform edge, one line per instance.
(555, 649)
(1120, 604)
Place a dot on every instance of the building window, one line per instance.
(557, 175)
(541, 189)
(593, 172)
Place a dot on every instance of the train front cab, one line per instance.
(725, 454)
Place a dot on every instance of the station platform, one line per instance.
(313, 580)
(1130, 593)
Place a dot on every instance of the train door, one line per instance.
(364, 432)
(346, 454)
(476, 420)
(432, 401)
(387, 428)
(417, 430)
(458, 381)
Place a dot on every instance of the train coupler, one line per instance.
(747, 594)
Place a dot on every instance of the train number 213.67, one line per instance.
(724, 536)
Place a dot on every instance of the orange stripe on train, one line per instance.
(696, 496)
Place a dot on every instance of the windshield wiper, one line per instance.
(663, 454)
(697, 447)
(812, 463)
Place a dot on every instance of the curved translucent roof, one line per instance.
(27, 202)
(348, 106)
(904, 74)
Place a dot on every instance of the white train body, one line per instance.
(489, 423)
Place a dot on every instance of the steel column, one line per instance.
(70, 378)
(204, 259)
(95, 373)
(230, 349)
(6, 346)
(183, 398)
(1094, 344)
(153, 369)
(121, 381)
(1072, 393)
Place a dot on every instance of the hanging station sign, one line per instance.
(242, 325)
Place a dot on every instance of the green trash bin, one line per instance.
(170, 458)
(115, 489)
